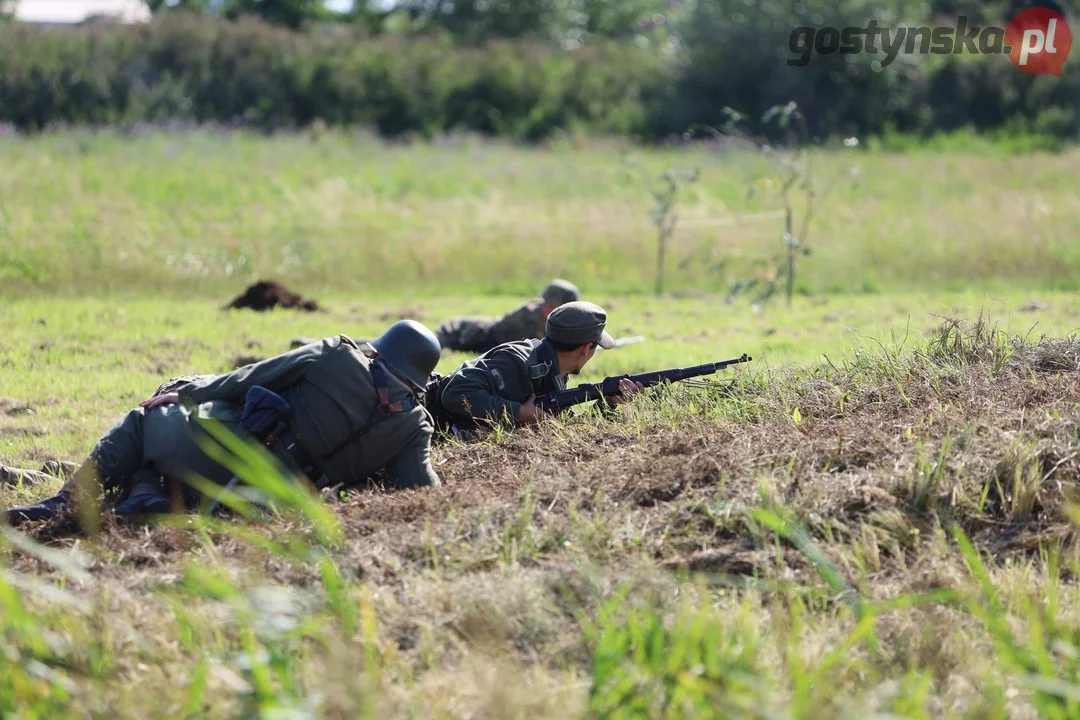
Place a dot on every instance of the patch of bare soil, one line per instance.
(10, 406)
(269, 294)
(407, 313)
(241, 360)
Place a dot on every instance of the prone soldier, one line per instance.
(353, 410)
(501, 386)
(480, 334)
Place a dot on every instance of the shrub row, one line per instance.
(190, 68)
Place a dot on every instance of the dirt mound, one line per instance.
(268, 294)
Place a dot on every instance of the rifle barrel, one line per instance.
(610, 386)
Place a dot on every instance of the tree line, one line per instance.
(653, 69)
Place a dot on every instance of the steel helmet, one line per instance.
(410, 349)
(559, 292)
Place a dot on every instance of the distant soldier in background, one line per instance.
(480, 334)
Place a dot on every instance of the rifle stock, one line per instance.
(610, 386)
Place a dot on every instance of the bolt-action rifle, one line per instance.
(610, 386)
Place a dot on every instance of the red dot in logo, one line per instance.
(1040, 40)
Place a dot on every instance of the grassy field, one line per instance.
(69, 369)
(876, 518)
(199, 213)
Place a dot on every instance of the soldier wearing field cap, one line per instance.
(480, 334)
(355, 410)
(501, 385)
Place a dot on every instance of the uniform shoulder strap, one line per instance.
(539, 367)
(382, 387)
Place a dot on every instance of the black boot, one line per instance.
(149, 503)
(146, 497)
(55, 506)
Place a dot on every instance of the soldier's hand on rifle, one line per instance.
(627, 390)
(528, 412)
(166, 399)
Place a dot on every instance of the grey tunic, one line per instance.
(491, 388)
(480, 334)
(330, 387)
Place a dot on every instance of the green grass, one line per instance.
(69, 369)
(710, 554)
(204, 213)
(876, 518)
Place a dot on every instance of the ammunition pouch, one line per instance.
(265, 413)
(266, 417)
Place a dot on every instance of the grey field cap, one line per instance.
(560, 291)
(578, 323)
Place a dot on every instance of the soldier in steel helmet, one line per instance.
(501, 386)
(355, 411)
(480, 334)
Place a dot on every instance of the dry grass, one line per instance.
(497, 595)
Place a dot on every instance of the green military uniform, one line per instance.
(333, 394)
(351, 418)
(480, 334)
(492, 388)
